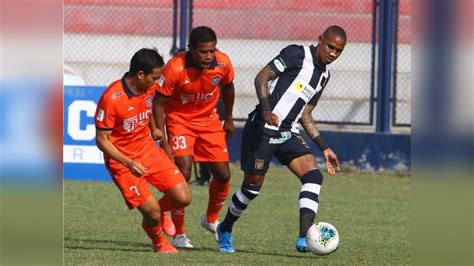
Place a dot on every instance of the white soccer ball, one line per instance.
(322, 238)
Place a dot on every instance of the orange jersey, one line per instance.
(194, 93)
(127, 115)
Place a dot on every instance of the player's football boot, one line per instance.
(164, 246)
(211, 227)
(225, 241)
(301, 245)
(167, 225)
(181, 241)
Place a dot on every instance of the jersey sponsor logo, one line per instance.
(285, 135)
(187, 98)
(129, 123)
(279, 64)
(140, 119)
(303, 90)
(205, 97)
(200, 97)
(298, 86)
(259, 164)
(216, 81)
(130, 108)
(116, 95)
(100, 115)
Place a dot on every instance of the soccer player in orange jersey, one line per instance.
(131, 156)
(193, 82)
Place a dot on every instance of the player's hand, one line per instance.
(332, 163)
(270, 118)
(136, 168)
(229, 127)
(166, 146)
(157, 134)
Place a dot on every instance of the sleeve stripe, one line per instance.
(103, 128)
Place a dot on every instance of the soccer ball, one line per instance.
(322, 238)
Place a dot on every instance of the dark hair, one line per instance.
(146, 60)
(337, 30)
(201, 34)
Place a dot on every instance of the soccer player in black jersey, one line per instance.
(288, 89)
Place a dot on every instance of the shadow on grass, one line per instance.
(101, 244)
(242, 251)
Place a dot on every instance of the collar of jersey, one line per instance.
(126, 88)
(312, 49)
(190, 63)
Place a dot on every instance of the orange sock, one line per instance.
(154, 233)
(165, 204)
(217, 195)
(178, 220)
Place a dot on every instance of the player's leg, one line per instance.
(256, 154)
(218, 192)
(295, 154)
(184, 163)
(138, 195)
(182, 141)
(211, 147)
(167, 178)
(151, 213)
(247, 192)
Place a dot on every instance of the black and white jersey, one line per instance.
(300, 80)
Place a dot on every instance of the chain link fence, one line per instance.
(402, 65)
(102, 35)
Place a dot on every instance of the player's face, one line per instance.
(330, 48)
(147, 80)
(203, 54)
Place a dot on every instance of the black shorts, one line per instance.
(259, 144)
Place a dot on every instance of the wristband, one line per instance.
(265, 104)
(320, 142)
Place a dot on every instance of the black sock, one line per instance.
(238, 204)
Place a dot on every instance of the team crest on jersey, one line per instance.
(259, 164)
(148, 101)
(216, 80)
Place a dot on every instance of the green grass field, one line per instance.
(370, 211)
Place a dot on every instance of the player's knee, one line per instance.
(183, 200)
(154, 217)
(187, 174)
(224, 178)
(313, 176)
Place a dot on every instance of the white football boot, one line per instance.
(181, 241)
(211, 227)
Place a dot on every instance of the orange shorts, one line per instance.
(162, 173)
(205, 143)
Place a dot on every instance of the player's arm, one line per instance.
(261, 86)
(332, 163)
(159, 103)
(156, 133)
(104, 144)
(228, 96)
